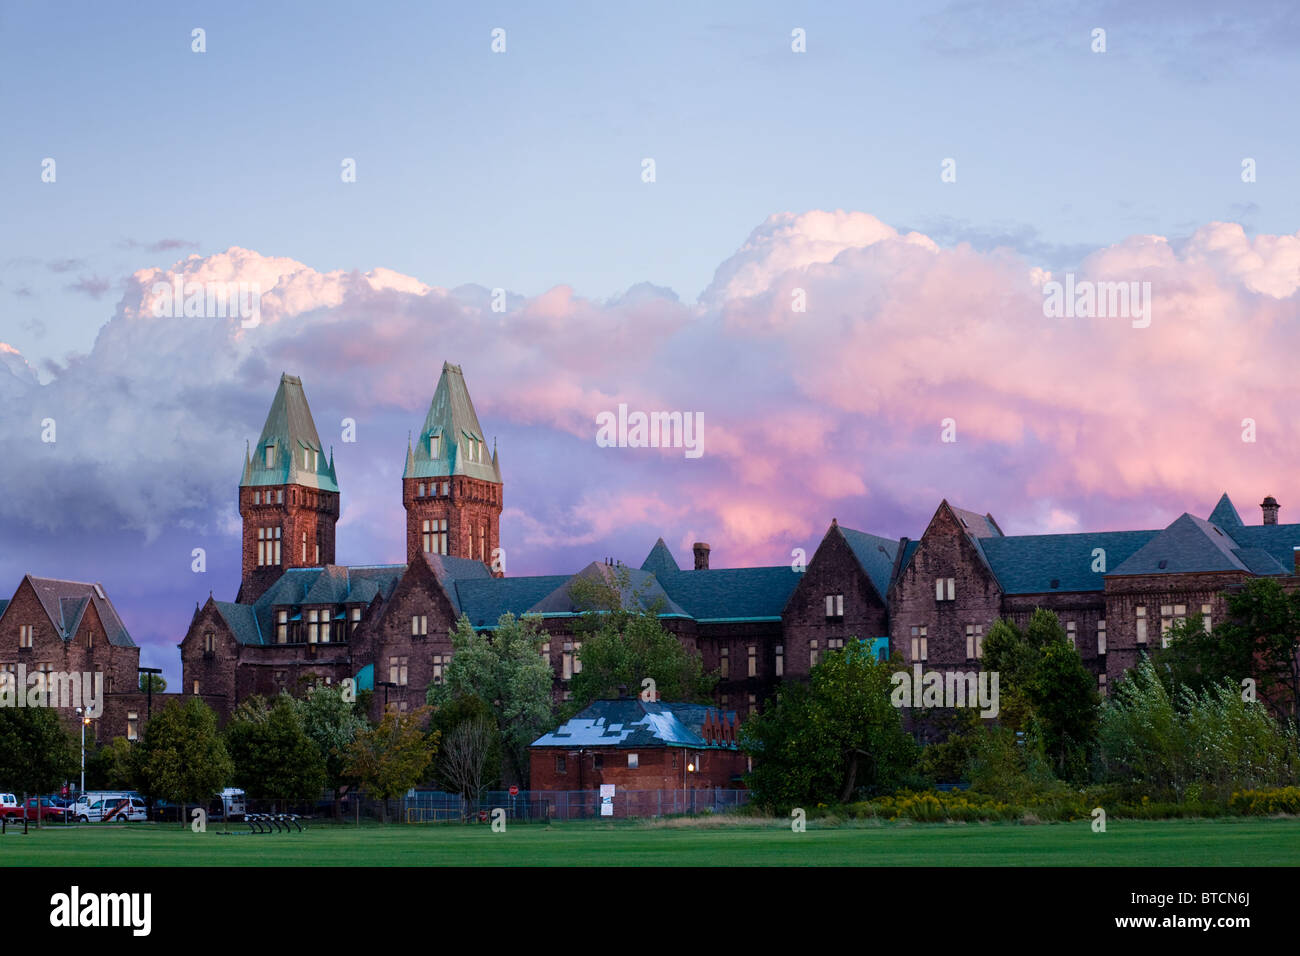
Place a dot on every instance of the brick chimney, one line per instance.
(1270, 506)
(701, 556)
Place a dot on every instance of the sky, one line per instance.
(840, 250)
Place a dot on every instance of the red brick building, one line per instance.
(639, 745)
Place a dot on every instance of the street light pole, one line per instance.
(84, 720)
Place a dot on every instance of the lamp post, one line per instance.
(84, 721)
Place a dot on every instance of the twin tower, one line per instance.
(289, 495)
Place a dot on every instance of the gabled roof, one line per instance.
(290, 432)
(1225, 515)
(1189, 544)
(1041, 563)
(65, 603)
(875, 555)
(642, 591)
(453, 420)
(660, 560)
(980, 526)
(632, 722)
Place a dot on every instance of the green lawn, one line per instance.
(1164, 843)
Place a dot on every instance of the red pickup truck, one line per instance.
(9, 805)
(43, 808)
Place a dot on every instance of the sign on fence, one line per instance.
(606, 799)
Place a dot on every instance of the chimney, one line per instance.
(1270, 506)
(701, 556)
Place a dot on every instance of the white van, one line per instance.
(80, 809)
(115, 810)
(233, 805)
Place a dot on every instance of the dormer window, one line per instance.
(433, 445)
(270, 456)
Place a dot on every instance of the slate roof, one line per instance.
(642, 591)
(453, 420)
(660, 560)
(484, 600)
(1225, 515)
(333, 584)
(876, 556)
(1189, 544)
(65, 603)
(289, 431)
(634, 723)
(1028, 564)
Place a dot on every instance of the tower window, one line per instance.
(304, 547)
(420, 493)
(433, 446)
(270, 456)
(257, 497)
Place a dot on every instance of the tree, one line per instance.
(332, 723)
(390, 759)
(1045, 689)
(507, 671)
(835, 736)
(454, 766)
(159, 684)
(620, 649)
(1212, 738)
(37, 753)
(273, 756)
(182, 757)
(1260, 639)
(114, 766)
(463, 757)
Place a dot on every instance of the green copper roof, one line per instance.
(296, 456)
(452, 441)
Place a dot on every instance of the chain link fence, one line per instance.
(433, 806)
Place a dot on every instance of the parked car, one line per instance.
(115, 810)
(233, 805)
(80, 807)
(43, 808)
(9, 805)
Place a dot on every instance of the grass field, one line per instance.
(1273, 842)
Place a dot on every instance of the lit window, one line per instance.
(835, 605)
(974, 641)
(132, 725)
(753, 661)
(1101, 637)
(196, 688)
(356, 617)
(25, 635)
(419, 625)
(1205, 618)
(813, 654)
(1141, 625)
(546, 653)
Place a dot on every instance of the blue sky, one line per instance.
(522, 171)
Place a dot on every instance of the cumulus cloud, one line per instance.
(835, 410)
